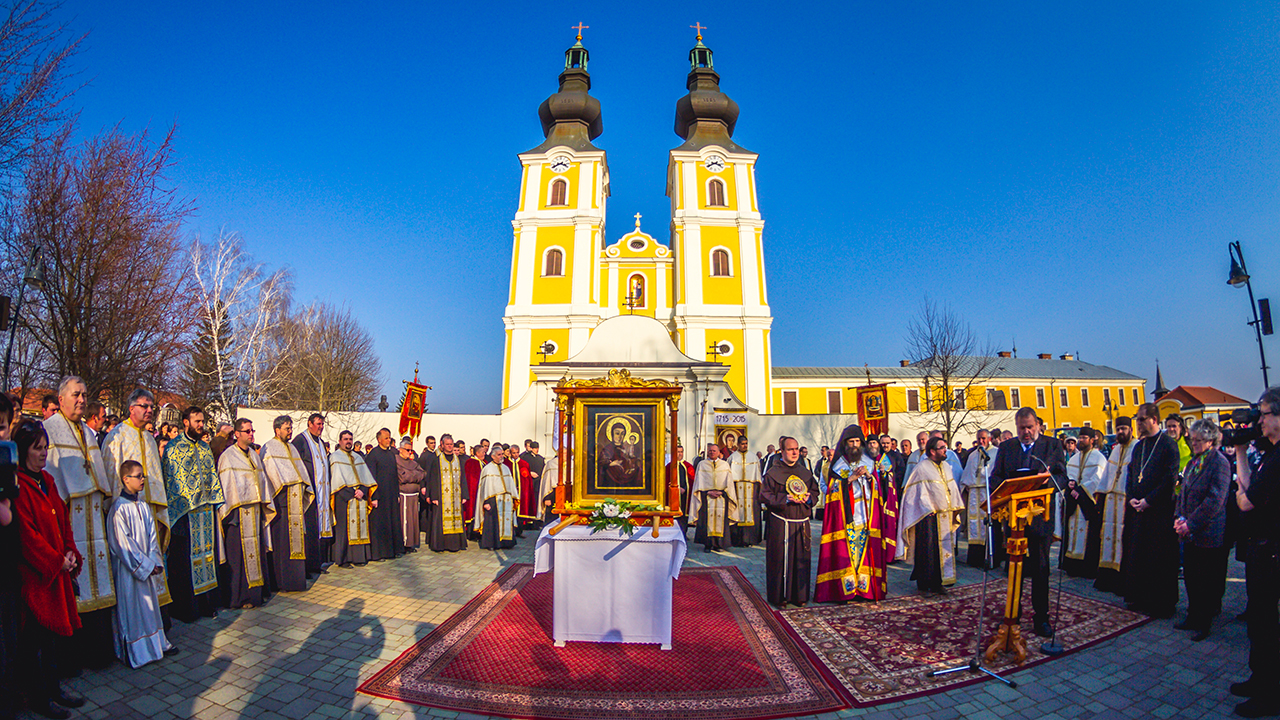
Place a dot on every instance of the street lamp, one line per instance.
(1240, 277)
(33, 276)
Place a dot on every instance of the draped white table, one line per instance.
(610, 587)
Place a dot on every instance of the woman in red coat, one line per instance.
(49, 561)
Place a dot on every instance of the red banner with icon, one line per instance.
(873, 409)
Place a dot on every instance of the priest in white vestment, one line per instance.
(354, 495)
(1111, 500)
(495, 503)
(138, 565)
(973, 486)
(130, 441)
(714, 502)
(290, 489)
(1082, 523)
(245, 517)
(929, 516)
(77, 467)
(310, 446)
(744, 471)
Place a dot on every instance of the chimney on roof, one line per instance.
(1045, 356)
(1066, 356)
(904, 363)
(1005, 353)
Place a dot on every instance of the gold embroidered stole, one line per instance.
(250, 544)
(357, 522)
(1112, 507)
(450, 507)
(204, 565)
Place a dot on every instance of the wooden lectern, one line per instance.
(1017, 501)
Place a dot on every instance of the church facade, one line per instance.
(706, 286)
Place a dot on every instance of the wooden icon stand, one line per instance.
(1017, 501)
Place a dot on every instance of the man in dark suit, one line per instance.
(318, 517)
(1030, 453)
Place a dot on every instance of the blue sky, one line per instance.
(1066, 175)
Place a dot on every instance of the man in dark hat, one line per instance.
(1110, 500)
(855, 546)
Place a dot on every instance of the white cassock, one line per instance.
(713, 475)
(135, 553)
(931, 490)
(127, 442)
(81, 476)
(499, 488)
(973, 485)
(744, 473)
(1086, 470)
(1112, 489)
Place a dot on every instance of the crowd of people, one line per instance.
(113, 530)
(1163, 501)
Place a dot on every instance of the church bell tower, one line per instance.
(721, 308)
(558, 230)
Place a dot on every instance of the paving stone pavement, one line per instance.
(304, 654)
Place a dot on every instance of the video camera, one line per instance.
(8, 470)
(1247, 427)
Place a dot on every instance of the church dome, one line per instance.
(571, 117)
(706, 116)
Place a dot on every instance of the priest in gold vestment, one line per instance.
(354, 496)
(245, 517)
(289, 487)
(76, 464)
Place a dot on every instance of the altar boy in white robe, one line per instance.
(1082, 537)
(137, 566)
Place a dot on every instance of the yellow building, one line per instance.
(1196, 402)
(1065, 392)
(707, 285)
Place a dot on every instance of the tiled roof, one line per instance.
(1029, 368)
(1192, 396)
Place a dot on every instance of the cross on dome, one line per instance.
(579, 27)
(637, 221)
(698, 27)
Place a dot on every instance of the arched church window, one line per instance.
(553, 263)
(635, 291)
(719, 263)
(559, 192)
(715, 194)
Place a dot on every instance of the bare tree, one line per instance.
(34, 58)
(955, 367)
(241, 309)
(116, 307)
(331, 364)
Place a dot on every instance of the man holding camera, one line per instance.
(1259, 500)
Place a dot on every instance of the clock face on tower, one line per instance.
(715, 163)
(560, 164)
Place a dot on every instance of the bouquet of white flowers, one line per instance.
(612, 513)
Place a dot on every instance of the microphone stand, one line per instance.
(975, 665)
(1051, 646)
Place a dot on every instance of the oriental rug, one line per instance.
(883, 652)
(732, 657)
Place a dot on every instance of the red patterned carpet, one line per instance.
(731, 658)
(883, 652)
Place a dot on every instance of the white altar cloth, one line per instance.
(610, 587)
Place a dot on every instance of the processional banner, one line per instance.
(873, 409)
(415, 400)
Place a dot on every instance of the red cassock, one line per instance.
(471, 471)
(528, 503)
(45, 531)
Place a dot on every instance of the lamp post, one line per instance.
(33, 276)
(1240, 276)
